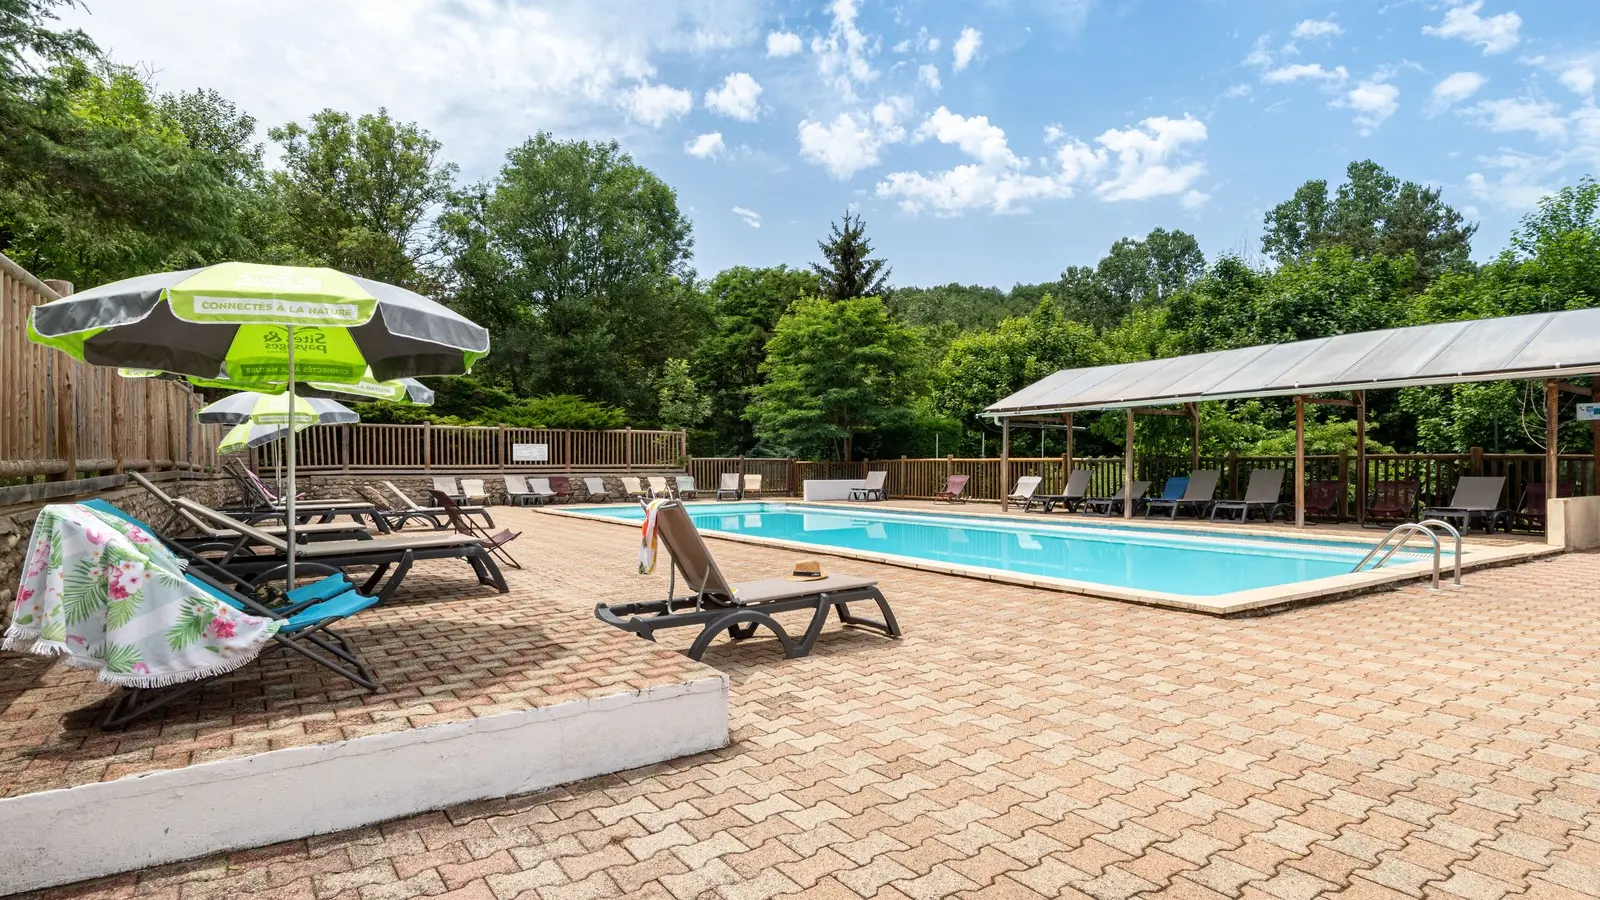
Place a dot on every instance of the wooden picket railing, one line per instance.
(428, 447)
(1436, 474)
(60, 418)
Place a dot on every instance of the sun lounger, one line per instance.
(1393, 500)
(306, 629)
(562, 485)
(598, 492)
(685, 487)
(1322, 499)
(728, 483)
(1262, 493)
(1072, 497)
(189, 530)
(632, 489)
(517, 493)
(1532, 513)
(658, 486)
(474, 490)
(1196, 498)
(382, 552)
(752, 486)
(954, 489)
(494, 543)
(539, 490)
(874, 488)
(1475, 498)
(396, 518)
(261, 504)
(716, 605)
(414, 506)
(1112, 503)
(446, 485)
(1023, 493)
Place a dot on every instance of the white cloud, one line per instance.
(1237, 90)
(1496, 34)
(1130, 164)
(1261, 56)
(1454, 88)
(1053, 133)
(1374, 101)
(1143, 154)
(783, 43)
(853, 140)
(706, 146)
(1305, 71)
(1536, 116)
(842, 54)
(738, 98)
(750, 216)
(929, 75)
(1519, 185)
(1579, 78)
(1316, 28)
(966, 47)
(922, 43)
(654, 104)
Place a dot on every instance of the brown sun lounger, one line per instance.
(202, 536)
(717, 605)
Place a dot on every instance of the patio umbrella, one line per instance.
(249, 436)
(399, 390)
(246, 321)
(274, 409)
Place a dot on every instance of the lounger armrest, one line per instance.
(210, 515)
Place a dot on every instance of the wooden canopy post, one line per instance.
(1127, 471)
(1299, 461)
(1005, 464)
(1552, 436)
(1066, 474)
(1194, 446)
(1361, 457)
(1594, 438)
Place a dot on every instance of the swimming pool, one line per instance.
(1179, 562)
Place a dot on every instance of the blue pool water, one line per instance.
(1153, 559)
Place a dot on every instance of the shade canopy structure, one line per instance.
(1549, 346)
(1538, 346)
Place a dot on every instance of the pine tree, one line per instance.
(850, 271)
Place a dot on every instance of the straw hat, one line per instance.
(806, 570)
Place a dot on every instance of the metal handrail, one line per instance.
(1424, 527)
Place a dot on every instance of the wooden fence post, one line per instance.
(627, 448)
(67, 422)
(119, 414)
(427, 446)
(500, 439)
(345, 432)
(1477, 460)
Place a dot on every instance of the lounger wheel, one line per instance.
(743, 618)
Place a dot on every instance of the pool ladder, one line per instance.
(1404, 532)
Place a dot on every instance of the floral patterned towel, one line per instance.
(104, 594)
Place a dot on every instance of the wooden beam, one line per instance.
(1552, 435)
(1299, 461)
(1005, 464)
(1330, 401)
(1361, 457)
(1571, 388)
(1127, 470)
(1159, 412)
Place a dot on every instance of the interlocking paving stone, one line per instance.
(1014, 744)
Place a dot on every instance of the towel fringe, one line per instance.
(24, 638)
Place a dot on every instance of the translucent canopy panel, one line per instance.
(1541, 345)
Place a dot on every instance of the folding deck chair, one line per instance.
(562, 486)
(517, 493)
(955, 488)
(446, 484)
(539, 489)
(685, 487)
(1111, 504)
(1024, 491)
(1393, 500)
(396, 550)
(752, 485)
(874, 488)
(1475, 497)
(1532, 514)
(728, 483)
(1197, 495)
(598, 492)
(632, 489)
(716, 605)
(474, 490)
(494, 543)
(658, 486)
(1262, 493)
(1071, 496)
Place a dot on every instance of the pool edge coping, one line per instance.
(1254, 600)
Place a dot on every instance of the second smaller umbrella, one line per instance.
(273, 409)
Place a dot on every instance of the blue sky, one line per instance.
(985, 142)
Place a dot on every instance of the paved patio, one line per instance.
(1018, 743)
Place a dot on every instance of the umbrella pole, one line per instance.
(289, 494)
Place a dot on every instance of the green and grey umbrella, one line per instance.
(256, 323)
(274, 409)
(248, 436)
(399, 390)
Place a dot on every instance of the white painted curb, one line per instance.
(61, 836)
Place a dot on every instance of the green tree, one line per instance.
(983, 367)
(1374, 214)
(357, 194)
(835, 369)
(746, 305)
(961, 305)
(683, 404)
(848, 269)
(1147, 270)
(577, 258)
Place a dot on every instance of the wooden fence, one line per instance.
(918, 479)
(60, 417)
(428, 447)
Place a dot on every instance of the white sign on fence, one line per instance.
(1588, 412)
(530, 452)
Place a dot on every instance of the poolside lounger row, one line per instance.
(738, 486)
(716, 604)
